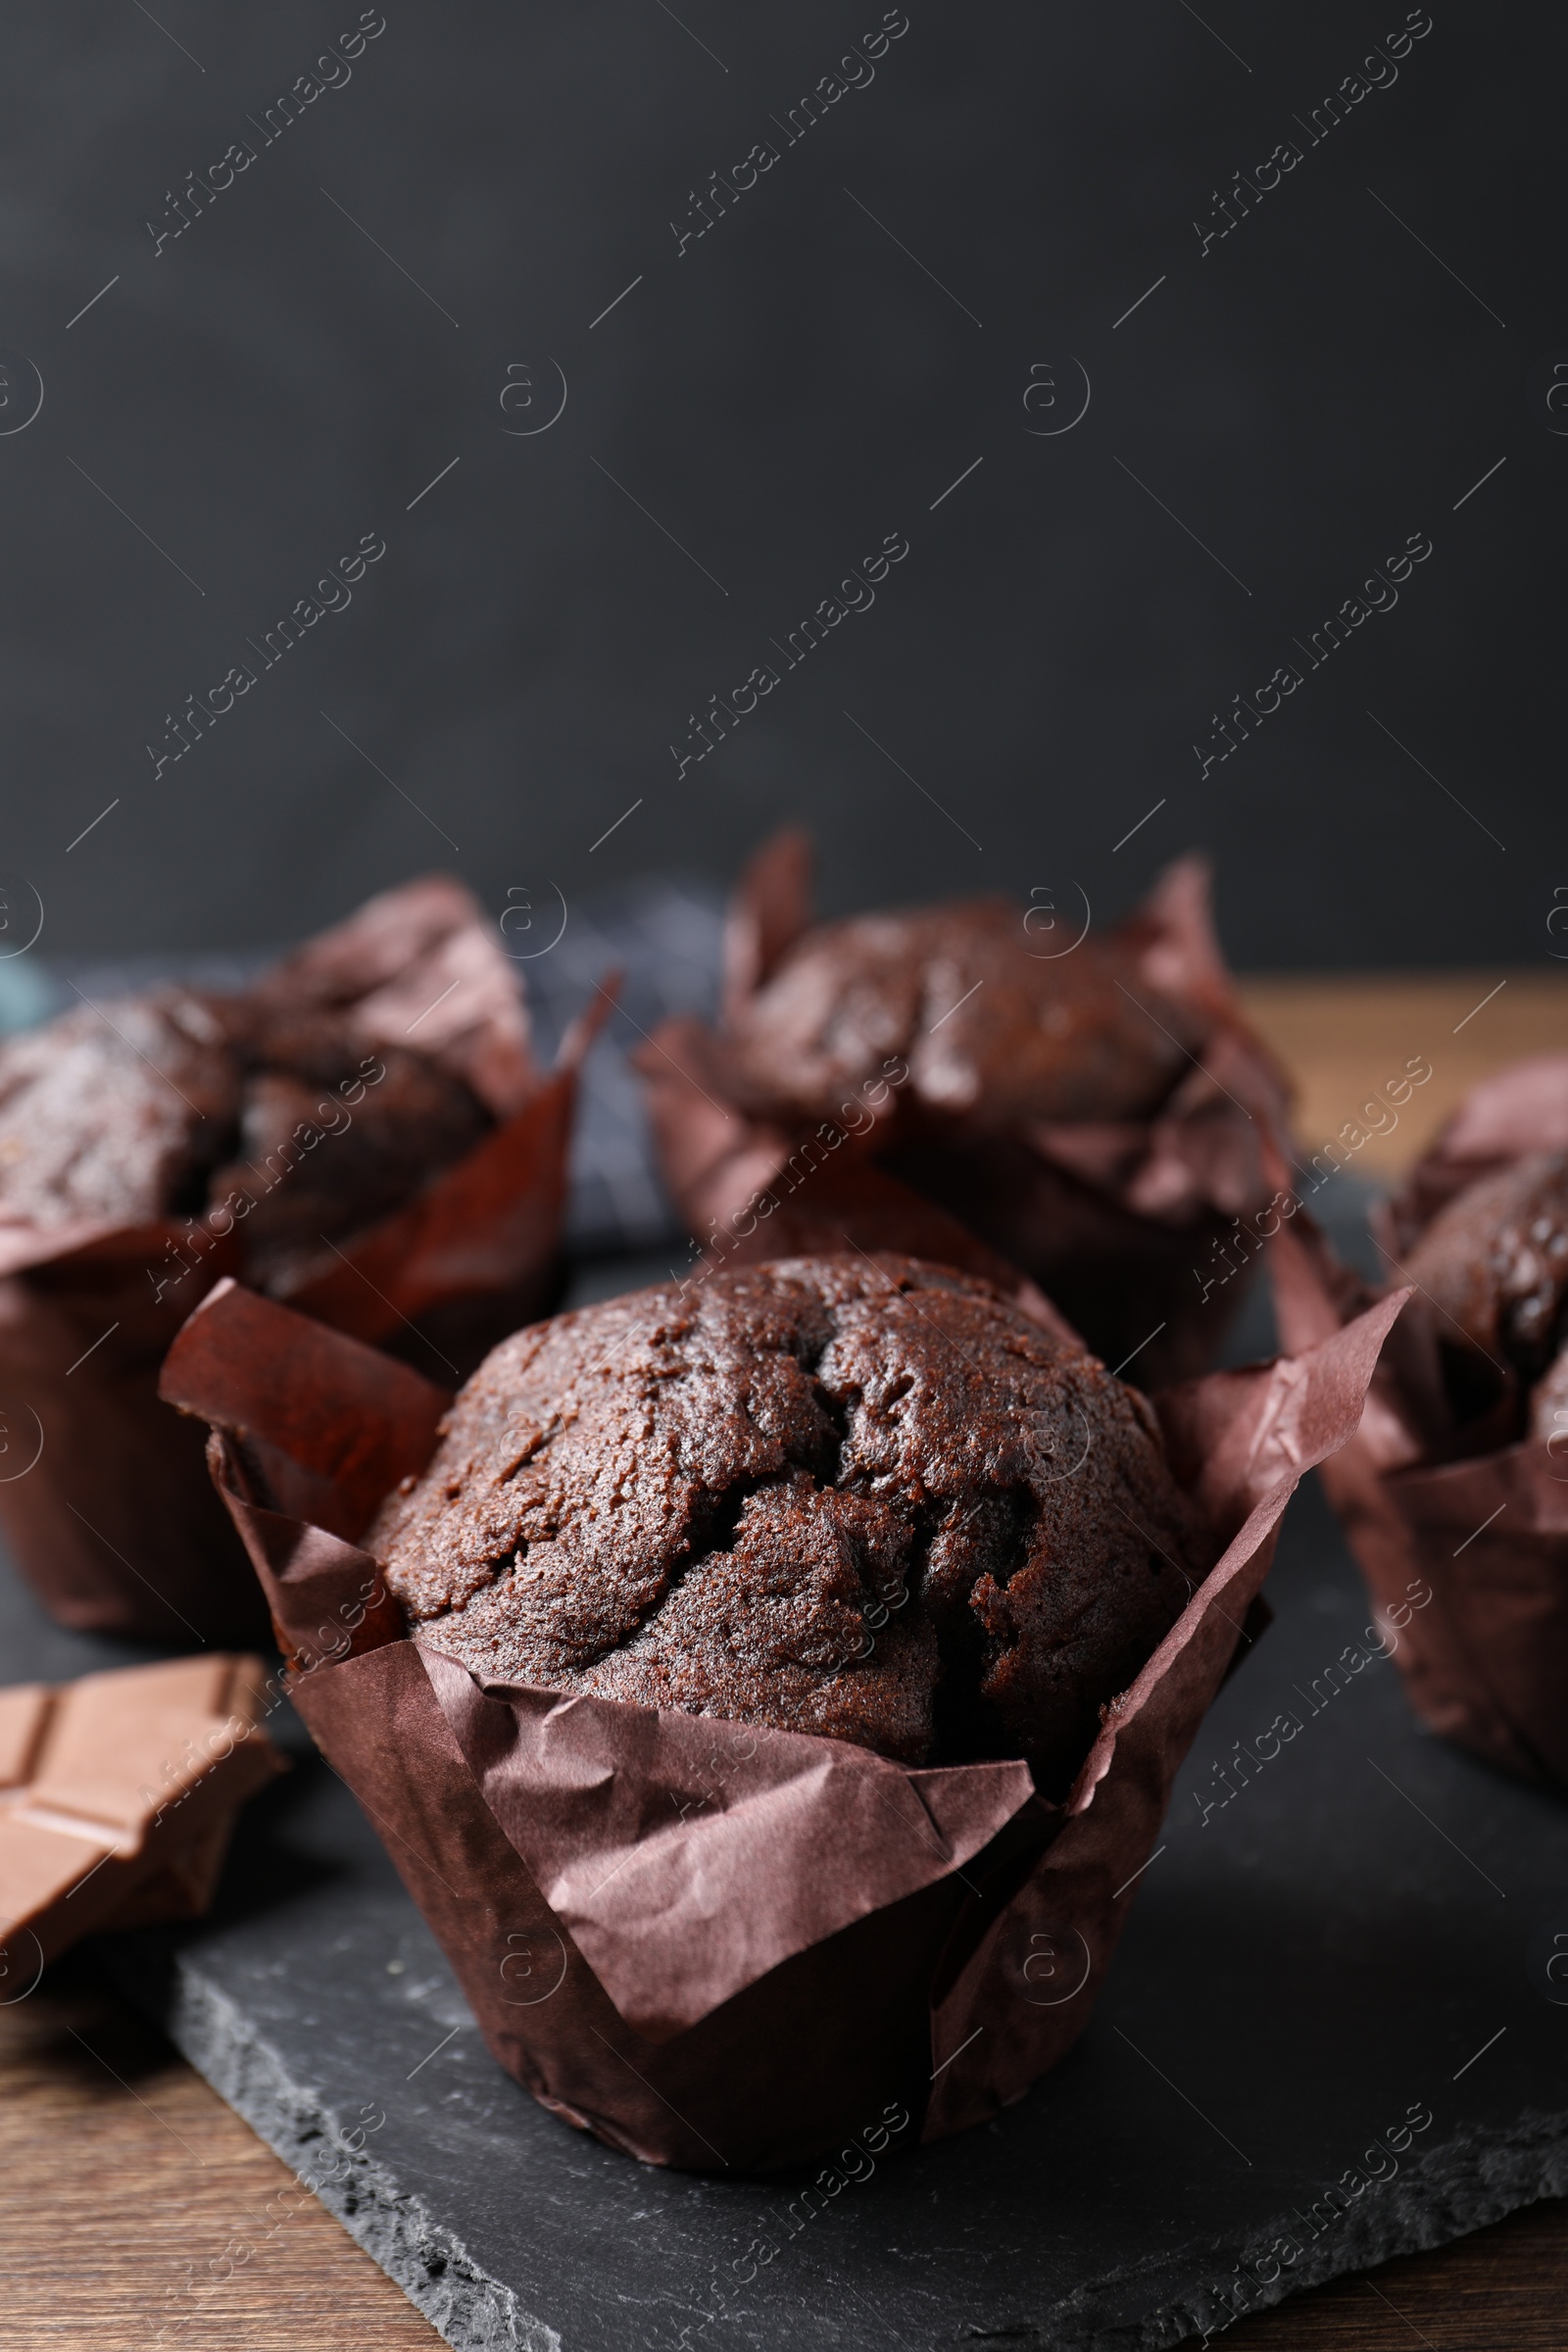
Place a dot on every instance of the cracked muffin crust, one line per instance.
(863, 1498)
(1494, 1262)
(171, 1102)
(991, 1033)
(117, 1113)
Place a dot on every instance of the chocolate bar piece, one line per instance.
(117, 1794)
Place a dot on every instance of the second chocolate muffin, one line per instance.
(865, 1499)
(180, 1102)
(991, 1033)
(1495, 1260)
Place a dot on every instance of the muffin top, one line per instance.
(862, 1498)
(177, 1100)
(993, 1033)
(117, 1113)
(1494, 1262)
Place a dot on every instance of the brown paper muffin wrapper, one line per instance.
(105, 1502)
(1519, 1110)
(1466, 1558)
(1116, 1222)
(714, 1945)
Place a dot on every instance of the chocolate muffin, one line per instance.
(410, 1119)
(116, 1113)
(862, 1498)
(1494, 1262)
(1091, 1109)
(992, 1035)
(178, 1102)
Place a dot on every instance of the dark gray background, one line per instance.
(792, 387)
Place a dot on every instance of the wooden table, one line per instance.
(1344, 1038)
(133, 2197)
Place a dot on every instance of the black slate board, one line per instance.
(1361, 1930)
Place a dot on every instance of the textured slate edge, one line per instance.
(470, 2310)
(1462, 2185)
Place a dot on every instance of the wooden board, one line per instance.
(132, 2194)
(1345, 1037)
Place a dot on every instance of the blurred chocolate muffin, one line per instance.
(992, 1034)
(180, 1103)
(862, 1498)
(1495, 1263)
(119, 1114)
(1091, 1108)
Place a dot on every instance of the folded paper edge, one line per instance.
(1443, 1665)
(1006, 1791)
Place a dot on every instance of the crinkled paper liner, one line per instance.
(714, 1945)
(1519, 1110)
(1466, 1559)
(1116, 1222)
(105, 1502)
